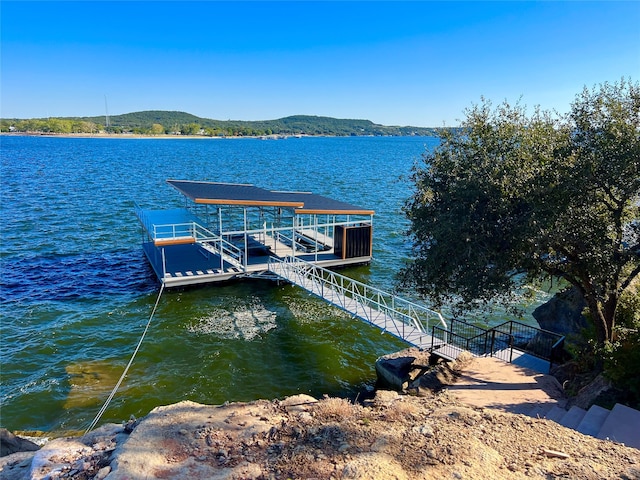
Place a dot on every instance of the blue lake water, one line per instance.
(76, 291)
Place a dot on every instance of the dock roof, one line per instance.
(215, 193)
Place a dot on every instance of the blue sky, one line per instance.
(394, 63)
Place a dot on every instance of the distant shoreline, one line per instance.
(145, 136)
(184, 137)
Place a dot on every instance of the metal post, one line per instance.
(246, 249)
(220, 233)
(510, 348)
(315, 218)
(293, 236)
(493, 340)
(164, 265)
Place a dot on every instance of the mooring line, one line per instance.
(115, 389)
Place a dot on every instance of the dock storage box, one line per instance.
(353, 241)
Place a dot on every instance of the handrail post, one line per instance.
(510, 348)
(493, 340)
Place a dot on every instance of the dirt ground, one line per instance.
(462, 432)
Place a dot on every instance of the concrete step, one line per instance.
(622, 425)
(572, 418)
(593, 420)
(555, 414)
(540, 410)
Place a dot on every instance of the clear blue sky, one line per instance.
(395, 63)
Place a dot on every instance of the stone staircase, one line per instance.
(620, 424)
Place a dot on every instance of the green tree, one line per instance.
(511, 199)
(156, 129)
(190, 129)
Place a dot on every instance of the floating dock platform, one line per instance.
(227, 231)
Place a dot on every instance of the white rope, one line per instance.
(115, 389)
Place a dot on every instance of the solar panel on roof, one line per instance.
(250, 195)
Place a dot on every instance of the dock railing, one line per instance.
(209, 240)
(368, 302)
(218, 245)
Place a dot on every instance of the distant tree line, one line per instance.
(181, 123)
(50, 125)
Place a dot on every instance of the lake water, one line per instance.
(76, 290)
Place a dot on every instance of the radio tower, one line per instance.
(106, 110)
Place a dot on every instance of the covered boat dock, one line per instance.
(229, 230)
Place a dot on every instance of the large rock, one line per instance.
(398, 369)
(563, 313)
(418, 372)
(10, 443)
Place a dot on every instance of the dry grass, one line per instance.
(336, 409)
(401, 411)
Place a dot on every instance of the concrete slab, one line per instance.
(573, 417)
(531, 362)
(492, 383)
(593, 420)
(622, 425)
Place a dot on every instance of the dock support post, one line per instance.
(220, 234)
(246, 249)
(164, 266)
(293, 236)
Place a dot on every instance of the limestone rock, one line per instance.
(563, 313)
(10, 443)
(398, 369)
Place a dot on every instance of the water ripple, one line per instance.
(69, 277)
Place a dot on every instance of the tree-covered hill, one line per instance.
(161, 122)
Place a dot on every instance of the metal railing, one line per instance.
(501, 341)
(534, 341)
(173, 230)
(210, 241)
(376, 306)
(218, 245)
(450, 344)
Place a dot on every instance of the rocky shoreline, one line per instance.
(429, 434)
(392, 437)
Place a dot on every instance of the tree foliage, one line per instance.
(510, 199)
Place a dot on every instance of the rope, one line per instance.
(115, 389)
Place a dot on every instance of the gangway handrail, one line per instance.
(220, 245)
(377, 300)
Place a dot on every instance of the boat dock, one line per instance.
(228, 231)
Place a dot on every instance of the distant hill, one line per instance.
(171, 122)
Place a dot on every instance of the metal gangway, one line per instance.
(401, 318)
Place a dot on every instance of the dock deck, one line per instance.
(232, 230)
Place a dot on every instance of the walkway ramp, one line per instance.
(418, 325)
(405, 320)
